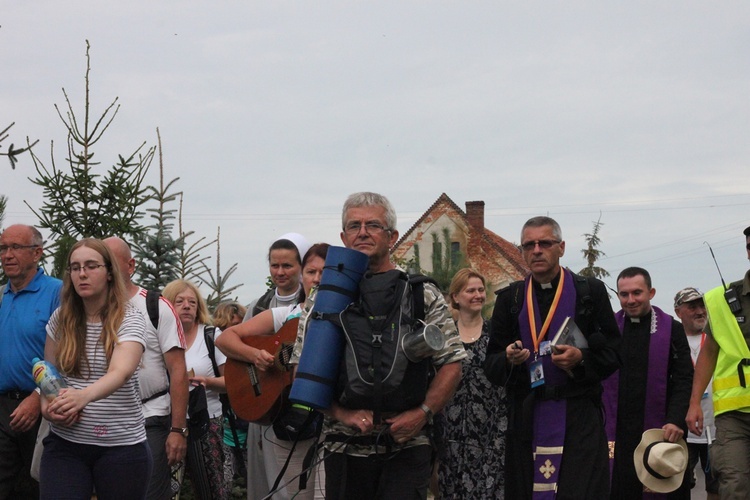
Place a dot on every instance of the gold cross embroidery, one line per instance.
(547, 469)
(611, 446)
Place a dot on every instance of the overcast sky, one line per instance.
(271, 113)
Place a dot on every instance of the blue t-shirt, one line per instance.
(23, 318)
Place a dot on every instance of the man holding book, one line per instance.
(652, 389)
(556, 446)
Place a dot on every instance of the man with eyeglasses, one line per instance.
(391, 458)
(555, 444)
(162, 378)
(691, 310)
(652, 389)
(26, 304)
(726, 356)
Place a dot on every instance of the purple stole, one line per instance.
(655, 405)
(549, 415)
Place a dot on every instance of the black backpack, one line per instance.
(375, 373)
(152, 306)
(264, 301)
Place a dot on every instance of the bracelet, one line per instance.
(427, 411)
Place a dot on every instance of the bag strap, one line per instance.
(152, 306)
(416, 282)
(209, 333)
(264, 301)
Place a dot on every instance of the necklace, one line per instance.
(465, 334)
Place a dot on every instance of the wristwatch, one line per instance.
(182, 431)
(427, 411)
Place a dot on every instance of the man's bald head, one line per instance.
(121, 252)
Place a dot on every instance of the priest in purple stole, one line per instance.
(652, 389)
(556, 447)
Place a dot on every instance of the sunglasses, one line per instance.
(543, 244)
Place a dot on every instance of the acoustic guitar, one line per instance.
(255, 395)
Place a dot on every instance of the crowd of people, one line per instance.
(555, 396)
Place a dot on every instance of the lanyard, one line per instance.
(703, 339)
(538, 337)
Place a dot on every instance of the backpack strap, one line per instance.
(152, 306)
(417, 281)
(209, 333)
(584, 302)
(264, 301)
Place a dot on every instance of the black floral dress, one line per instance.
(472, 427)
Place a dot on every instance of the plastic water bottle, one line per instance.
(47, 378)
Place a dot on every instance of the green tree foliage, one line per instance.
(592, 253)
(217, 282)
(13, 152)
(156, 251)
(88, 201)
(445, 260)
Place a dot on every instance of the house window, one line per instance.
(455, 253)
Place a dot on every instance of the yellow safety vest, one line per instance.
(731, 387)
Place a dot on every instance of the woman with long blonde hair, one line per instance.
(96, 340)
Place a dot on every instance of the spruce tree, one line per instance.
(156, 252)
(88, 200)
(13, 152)
(191, 265)
(218, 282)
(592, 253)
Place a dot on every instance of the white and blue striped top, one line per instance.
(116, 420)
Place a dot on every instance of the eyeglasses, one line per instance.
(372, 227)
(88, 266)
(14, 248)
(543, 244)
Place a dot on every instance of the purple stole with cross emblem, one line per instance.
(655, 405)
(549, 414)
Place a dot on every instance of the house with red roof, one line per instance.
(445, 227)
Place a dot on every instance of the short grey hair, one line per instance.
(368, 199)
(542, 220)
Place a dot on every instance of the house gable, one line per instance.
(493, 256)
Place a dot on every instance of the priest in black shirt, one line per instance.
(652, 389)
(556, 447)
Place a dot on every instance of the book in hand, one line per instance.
(569, 334)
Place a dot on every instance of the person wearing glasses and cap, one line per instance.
(690, 308)
(556, 445)
(726, 356)
(26, 304)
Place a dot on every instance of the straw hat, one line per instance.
(660, 465)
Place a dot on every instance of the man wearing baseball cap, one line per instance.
(690, 308)
(726, 356)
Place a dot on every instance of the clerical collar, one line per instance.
(548, 286)
(649, 316)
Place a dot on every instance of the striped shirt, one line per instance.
(116, 420)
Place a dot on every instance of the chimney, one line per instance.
(475, 214)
